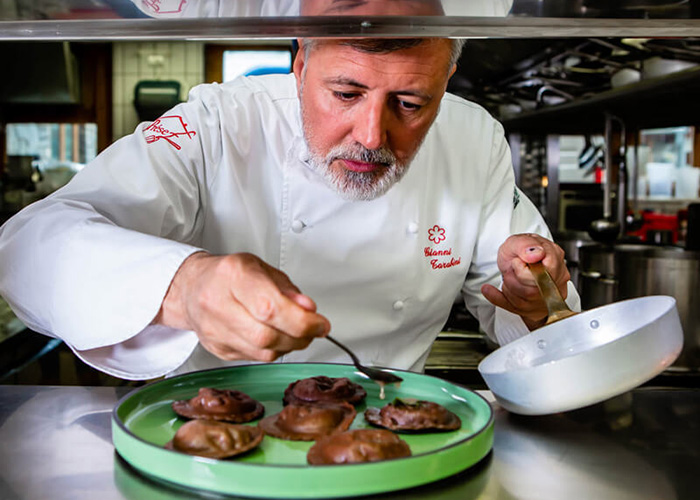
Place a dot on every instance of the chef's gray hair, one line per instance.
(385, 45)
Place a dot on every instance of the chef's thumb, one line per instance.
(532, 254)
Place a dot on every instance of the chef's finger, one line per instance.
(496, 297)
(292, 292)
(232, 333)
(533, 313)
(244, 348)
(257, 289)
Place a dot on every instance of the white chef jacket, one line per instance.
(226, 173)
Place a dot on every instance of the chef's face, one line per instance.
(365, 114)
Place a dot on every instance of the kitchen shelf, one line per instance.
(208, 29)
(665, 101)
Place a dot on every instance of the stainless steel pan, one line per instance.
(586, 358)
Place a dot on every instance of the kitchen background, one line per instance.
(603, 132)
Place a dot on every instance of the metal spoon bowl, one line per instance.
(382, 377)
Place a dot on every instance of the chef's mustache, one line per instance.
(357, 152)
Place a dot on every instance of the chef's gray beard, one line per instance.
(358, 186)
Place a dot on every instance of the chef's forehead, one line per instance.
(371, 7)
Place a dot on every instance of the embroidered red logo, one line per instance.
(438, 257)
(169, 128)
(165, 6)
(436, 234)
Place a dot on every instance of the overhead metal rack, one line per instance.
(205, 29)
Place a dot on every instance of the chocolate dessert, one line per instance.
(359, 445)
(413, 415)
(213, 439)
(305, 422)
(220, 404)
(324, 389)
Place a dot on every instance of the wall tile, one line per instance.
(177, 58)
(184, 63)
(131, 57)
(117, 59)
(118, 89)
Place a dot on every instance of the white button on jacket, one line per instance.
(225, 172)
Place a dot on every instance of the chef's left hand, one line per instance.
(519, 293)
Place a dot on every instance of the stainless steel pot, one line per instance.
(572, 242)
(596, 290)
(610, 273)
(597, 281)
(666, 271)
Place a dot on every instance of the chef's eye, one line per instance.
(409, 106)
(345, 96)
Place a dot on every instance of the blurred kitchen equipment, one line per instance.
(692, 240)
(380, 376)
(661, 177)
(591, 156)
(579, 205)
(19, 179)
(20, 169)
(655, 67)
(625, 76)
(152, 98)
(604, 230)
(653, 224)
(650, 270)
(572, 242)
(607, 229)
(556, 307)
(598, 281)
(660, 237)
(587, 358)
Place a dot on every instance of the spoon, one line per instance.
(556, 307)
(379, 376)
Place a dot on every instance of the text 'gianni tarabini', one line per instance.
(438, 257)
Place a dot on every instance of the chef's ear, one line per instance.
(298, 66)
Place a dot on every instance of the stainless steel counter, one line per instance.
(55, 443)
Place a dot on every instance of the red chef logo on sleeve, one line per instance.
(438, 256)
(170, 129)
(164, 6)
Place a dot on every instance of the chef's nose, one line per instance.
(371, 126)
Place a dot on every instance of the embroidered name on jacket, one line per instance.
(438, 255)
(169, 128)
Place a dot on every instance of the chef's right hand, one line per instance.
(240, 307)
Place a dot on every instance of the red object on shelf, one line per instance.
(653, 221)
(598, 175)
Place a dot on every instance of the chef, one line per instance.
(353, 196)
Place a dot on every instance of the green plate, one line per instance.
(143, 422)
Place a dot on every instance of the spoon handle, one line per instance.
(350, 353)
